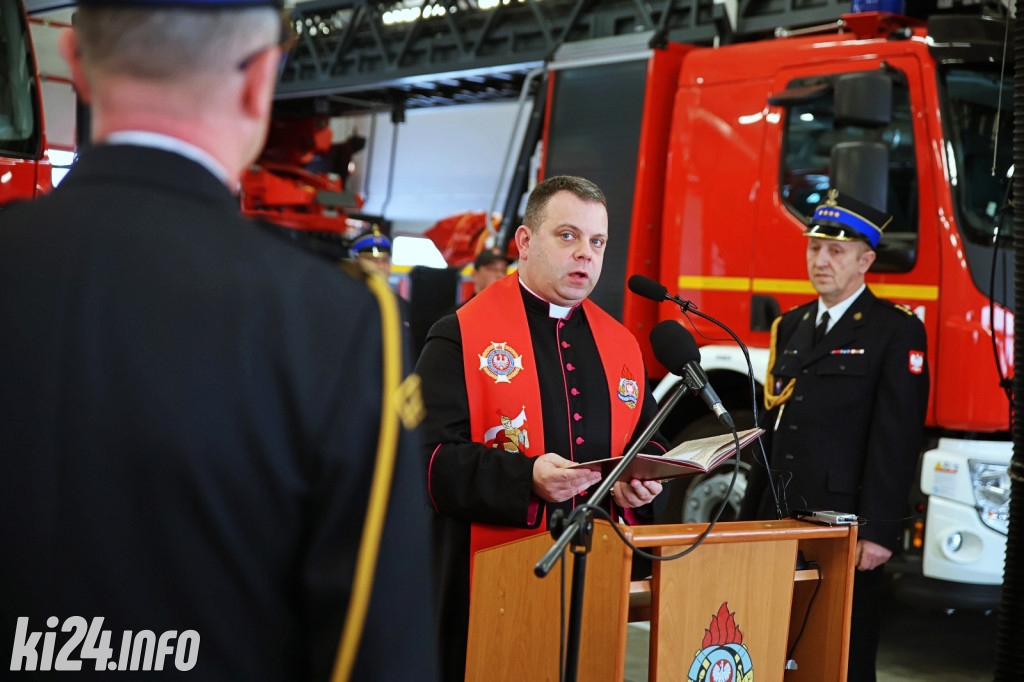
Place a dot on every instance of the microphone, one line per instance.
(677, 350)
(648, 288)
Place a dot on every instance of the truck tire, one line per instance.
(694, 499)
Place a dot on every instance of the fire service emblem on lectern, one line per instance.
(723, 657)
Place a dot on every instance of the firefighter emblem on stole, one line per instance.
(510, 434)
(628, 388)
(500, 362)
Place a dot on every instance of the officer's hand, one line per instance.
(635, 493)
(871, 555)
(554, 481)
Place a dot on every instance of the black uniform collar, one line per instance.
(156, 168)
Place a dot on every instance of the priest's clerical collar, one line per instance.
(557, 312)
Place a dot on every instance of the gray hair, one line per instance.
(166, 45)
(580, 187)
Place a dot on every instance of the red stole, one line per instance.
(504, 391)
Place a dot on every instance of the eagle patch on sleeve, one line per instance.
(916, 362)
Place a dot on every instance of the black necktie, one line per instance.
(819, 331)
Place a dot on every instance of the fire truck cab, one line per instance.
(736, 146)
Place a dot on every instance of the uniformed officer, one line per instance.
(373, 250)
(196, 416)
(848, 391)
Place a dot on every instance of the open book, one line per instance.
(686, 459)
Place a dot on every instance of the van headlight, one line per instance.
(991, 484)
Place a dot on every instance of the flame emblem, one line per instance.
(723, 657)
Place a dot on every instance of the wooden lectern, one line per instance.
(737, 595)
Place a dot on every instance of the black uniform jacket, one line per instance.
(189, 415)
(470, 482)
(850, 435)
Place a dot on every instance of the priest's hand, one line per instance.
(635, 493)
(554, 481)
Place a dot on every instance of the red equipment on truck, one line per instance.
(299, 179)
(297, 185)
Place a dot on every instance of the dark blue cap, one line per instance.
(371, 243)
(844, 218)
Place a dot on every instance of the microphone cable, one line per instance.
(686, 307)
(603, 513)
(646, 287)
(807, 614)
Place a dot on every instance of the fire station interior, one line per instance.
(410, 125)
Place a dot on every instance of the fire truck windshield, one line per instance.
(978, 125)
(20, 129)
(979, 107)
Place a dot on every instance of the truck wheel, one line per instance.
(694, 499)
(707, 491)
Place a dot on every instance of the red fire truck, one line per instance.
(24, 169)
(714, 158)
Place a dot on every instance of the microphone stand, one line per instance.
(579, 529)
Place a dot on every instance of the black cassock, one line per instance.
(469, 481)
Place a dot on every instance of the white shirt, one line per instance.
(837, 311)
(144, 138)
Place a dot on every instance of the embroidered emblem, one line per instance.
(847, 351)
(500, 362)
(409, 402)
(723, 658)
(628, 388)
(916, 362)
(510, 435)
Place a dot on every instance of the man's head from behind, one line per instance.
(562, 239)
(843, 235)
(488, 267)
(179, 67)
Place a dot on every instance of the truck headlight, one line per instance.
(991, 484)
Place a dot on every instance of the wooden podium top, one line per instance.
(738, 531)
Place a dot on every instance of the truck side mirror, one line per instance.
(863, 99)
(896, 252)
(861, 169)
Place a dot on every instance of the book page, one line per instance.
(708, 452)
(687, 459)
